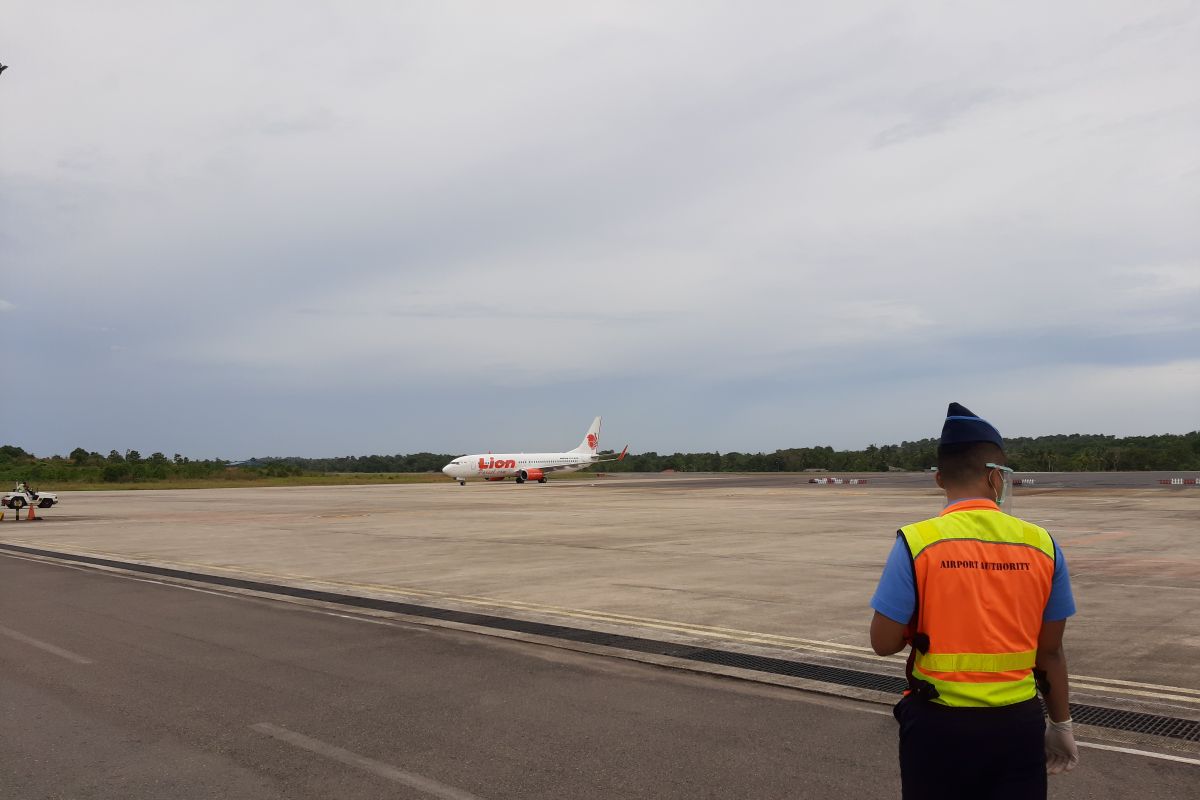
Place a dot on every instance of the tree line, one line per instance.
(129, 466)
(1060, 453)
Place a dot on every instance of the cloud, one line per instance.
(698, 216)
(932, 109)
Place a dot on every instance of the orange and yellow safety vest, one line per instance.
(983, 579)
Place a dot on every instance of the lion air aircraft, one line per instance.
(530, 466)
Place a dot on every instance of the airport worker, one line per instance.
(981, 598)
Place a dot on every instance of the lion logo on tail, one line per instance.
(592, 439)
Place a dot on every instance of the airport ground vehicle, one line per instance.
(24, 496)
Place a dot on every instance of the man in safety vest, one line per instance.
(982, 598)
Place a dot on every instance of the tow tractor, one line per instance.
(24, 496)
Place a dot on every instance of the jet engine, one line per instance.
(532, 475)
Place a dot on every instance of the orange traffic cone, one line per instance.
(32, 517)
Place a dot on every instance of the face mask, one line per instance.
(1004, 496)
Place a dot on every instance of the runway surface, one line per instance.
(901, 480)
(784, 570)
(116, 687)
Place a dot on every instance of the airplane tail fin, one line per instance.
(591, 442)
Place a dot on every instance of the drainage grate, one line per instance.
(1136, 722)
(1116, 719)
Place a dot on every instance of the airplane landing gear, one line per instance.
(541, 480)
(462, 483)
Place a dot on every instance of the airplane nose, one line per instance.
(446, 469)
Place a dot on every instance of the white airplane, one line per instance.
(530, 466)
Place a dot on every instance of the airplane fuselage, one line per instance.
(524, 466)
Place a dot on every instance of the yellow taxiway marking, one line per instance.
(734, 634)
(1076, 684)
(1134, 683)
(1112, 685)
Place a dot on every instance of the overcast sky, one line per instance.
(327, 228)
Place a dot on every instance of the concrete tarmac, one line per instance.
(907, 480)
(116, 687)
(783, 566)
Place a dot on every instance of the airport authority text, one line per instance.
(994, 566)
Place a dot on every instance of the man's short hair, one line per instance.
(964, 461)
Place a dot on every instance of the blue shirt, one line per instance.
(896, 595)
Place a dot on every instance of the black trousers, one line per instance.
(971, 753)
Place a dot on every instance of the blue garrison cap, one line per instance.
(963, 426)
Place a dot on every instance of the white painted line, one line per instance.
(97, 570)
(1094, 679)
(49, 648)
(1146, 585)
(389, 623)
(1133, 692)
(1145, 753)
(409, 779)
(290, 601)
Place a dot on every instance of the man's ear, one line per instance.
(937, 478)
(993, 488)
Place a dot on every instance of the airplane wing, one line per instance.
(558, 467)
(574, 466)
(620, 457)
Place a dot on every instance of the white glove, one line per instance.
(1062, 755)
